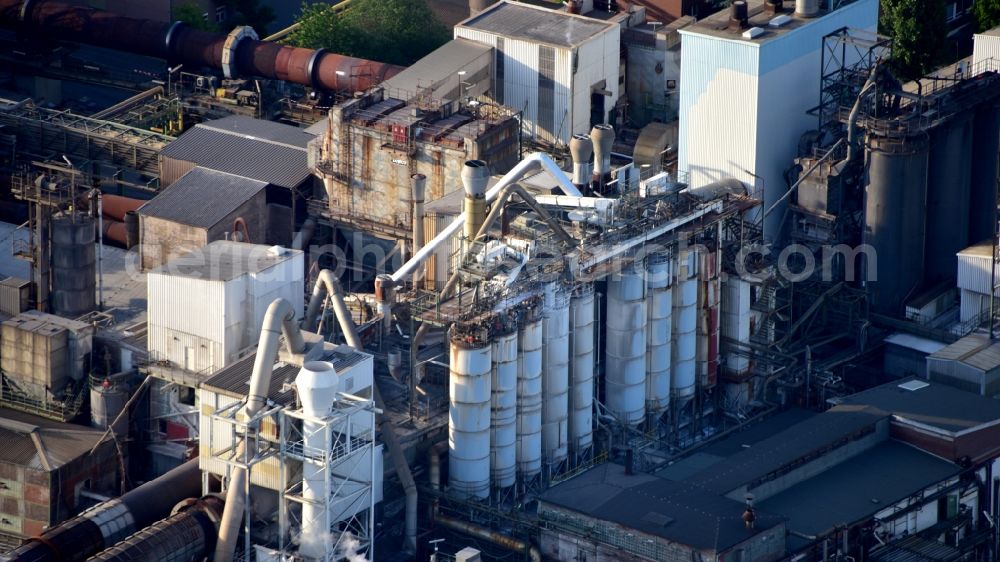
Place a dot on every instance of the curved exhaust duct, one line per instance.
(278, 320)
(328, 285)
(237, 54)
(107, 523)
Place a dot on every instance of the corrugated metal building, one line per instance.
(985, 46)
(44, 467)
(560, 70)
(972, 363)
(743, 100)
(201, 207)
(206, 307)
(437, 75)
(974, 278)
(906, 354)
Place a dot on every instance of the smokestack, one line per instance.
(738, 15)
(478, 6)
(418, 184)
(582, 149)
(573, 6)
(602, 137)
(774, 6)
(475, 178)
(807, 8)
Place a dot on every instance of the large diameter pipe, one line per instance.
(603, 137)
(180, 43)
(532, 161)
(107, 523)
(278, 320)
(328, 285)
(188, 534)
(475, 179)
(581, 147)
(501, 540)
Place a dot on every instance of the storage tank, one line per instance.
(108, 396)
(317, 385)
(985, 147)
(581, 397)
(685, 321)
(503, 424)
(469, 414)
(735, 320)
(625, 351)
(895, 214)
(949, 182)
(555, 377)
(74, 266)
(707, 344)
(529, 396)
(659, 310)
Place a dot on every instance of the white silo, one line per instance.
(625, 351)
(555, 377)
(503, 424)
(735, 319)
(659, 307)
(317, 384)
(581, 397)
(529, 397)
(469, 415)
(685, 322)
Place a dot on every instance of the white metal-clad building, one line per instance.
(743, 100)
(985, 46)
(559, 69)
(207, 306)
(973, 280)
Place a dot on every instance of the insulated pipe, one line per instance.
(501, 540)
(107, 523)
(188, 534)
(434, 456)
(328, 285)
(278, 320)
(116, 206)
(602, 137)
(536, 159)
(238, 53)
(582, 149)
(418, 186)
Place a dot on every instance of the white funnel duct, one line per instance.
(317, 384)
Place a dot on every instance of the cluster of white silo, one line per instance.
(503, 424)
(684, 322)
(469, 415)
(625, 348)
(581, 398)
(529, 396)
(659, 309)
(707, 346)
(555, 377)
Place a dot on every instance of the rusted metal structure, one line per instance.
(238, 53)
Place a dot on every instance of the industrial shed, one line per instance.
(972, 363)
(47, 473)
(201, 207)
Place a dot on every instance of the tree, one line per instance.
(919, 34)
(191, 14)
(986, 14)
(250, 12)
(392, 31)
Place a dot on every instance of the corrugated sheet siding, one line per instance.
(974, 273)
(985, 47)
(217, 437)
(180, 305)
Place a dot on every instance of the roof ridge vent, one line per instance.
(779, 21)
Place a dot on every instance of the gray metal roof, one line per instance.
(441, 66)
(536, 24)
(60, 442)
(234, 380)
(202, 197)
(855, 490)
(937, 405)
(786, 447)
(261, 150)
(974, 350)
(224, 260)
(676, 511)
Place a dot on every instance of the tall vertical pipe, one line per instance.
(317, 384)
(735, 321)
(555, 377)
(418, 184)
(659, 308)
(602, 137)
(529, 396)
(582, 150)
(581, 428)
(469, 415)
(503, 424)
(625, 350)
(475, 179)
(685, 321)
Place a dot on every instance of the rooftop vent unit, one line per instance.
(738, 15)
(779, 21)
(753, 33)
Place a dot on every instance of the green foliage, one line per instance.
(919, 34)
(987, 14)
(393, 31)
(192, 14)
(250, 12)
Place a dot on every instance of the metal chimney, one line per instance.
(738, 15)
(478, 6)
(774, 6)
(418, 185)
(602, 136)
(582, 149)
(317, 385)
(807, 8)
(475, 179)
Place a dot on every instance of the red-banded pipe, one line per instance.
(179, 43)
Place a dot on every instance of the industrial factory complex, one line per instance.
(592, 281)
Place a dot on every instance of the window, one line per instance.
(220, 14)
(951, 11)
(546, 88)
(500, 84)
(185, 395)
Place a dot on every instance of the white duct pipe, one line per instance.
(278, 320)
(536, 159)
(328, 285)
(418, 183)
